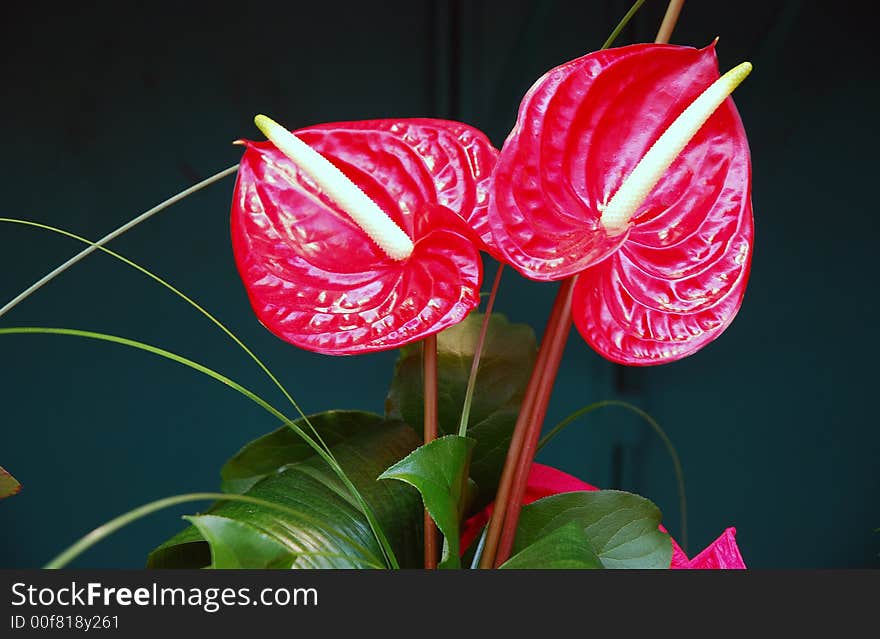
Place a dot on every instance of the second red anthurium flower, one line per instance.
(382, 252)
(630, 169)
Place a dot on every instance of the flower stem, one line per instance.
(669, 20)
(559, 322)
(555, 338)
(508, 500)
(429, 362)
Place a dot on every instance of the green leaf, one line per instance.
(505, 366)
(9, 485)
(438, 470)
(621, 528)
(186, 549)
(316, 524)
(282, 447)
(238, 545)
(565, 547)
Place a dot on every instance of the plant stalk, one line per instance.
(520, 430)
(555, 338)
(429, 362)
(669, 21)
(508, 501)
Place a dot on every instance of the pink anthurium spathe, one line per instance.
(320, 274)
(544, 481)
(630, 169)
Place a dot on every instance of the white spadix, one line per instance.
(344, 193)
(644, 177)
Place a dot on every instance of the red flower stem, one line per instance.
(669, 20)
(429, 362)
(555, 338)
(511, 462)
(521, 453)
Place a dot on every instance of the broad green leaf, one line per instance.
(237, 545)
(9, 485)
(565, 547)
(317, 523)
(186, 549)
(282, 447)
(505, 367)
(438, 470)
(621, 528)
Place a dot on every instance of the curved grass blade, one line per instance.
(167, 285)
(670, 448)
(325, 455)
(622, 24)
(182, 296)
(105, 530)
(51, 275)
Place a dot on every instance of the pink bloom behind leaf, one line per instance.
(721, 554)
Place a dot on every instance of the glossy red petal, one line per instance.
(313, 276)
(721, 554)
(632, 314)
(679, 279)
(444, 161)
(581, 130)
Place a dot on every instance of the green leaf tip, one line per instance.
(439, 471)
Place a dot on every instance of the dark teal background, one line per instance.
(109, 109)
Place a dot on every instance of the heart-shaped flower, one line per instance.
(630, 168)
(317, 272)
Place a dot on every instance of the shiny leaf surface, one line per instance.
(235, 544)
(318, 525)
(674, 280)
(622, 528)
(506, 363)
(314, 277)
(282, 447)
(439, 470)
(567, 547)
(543, 481)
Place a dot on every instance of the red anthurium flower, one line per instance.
(545, 481)
(321, 271)
(721, 554)
(627, 169)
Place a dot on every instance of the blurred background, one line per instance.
(109, 108)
